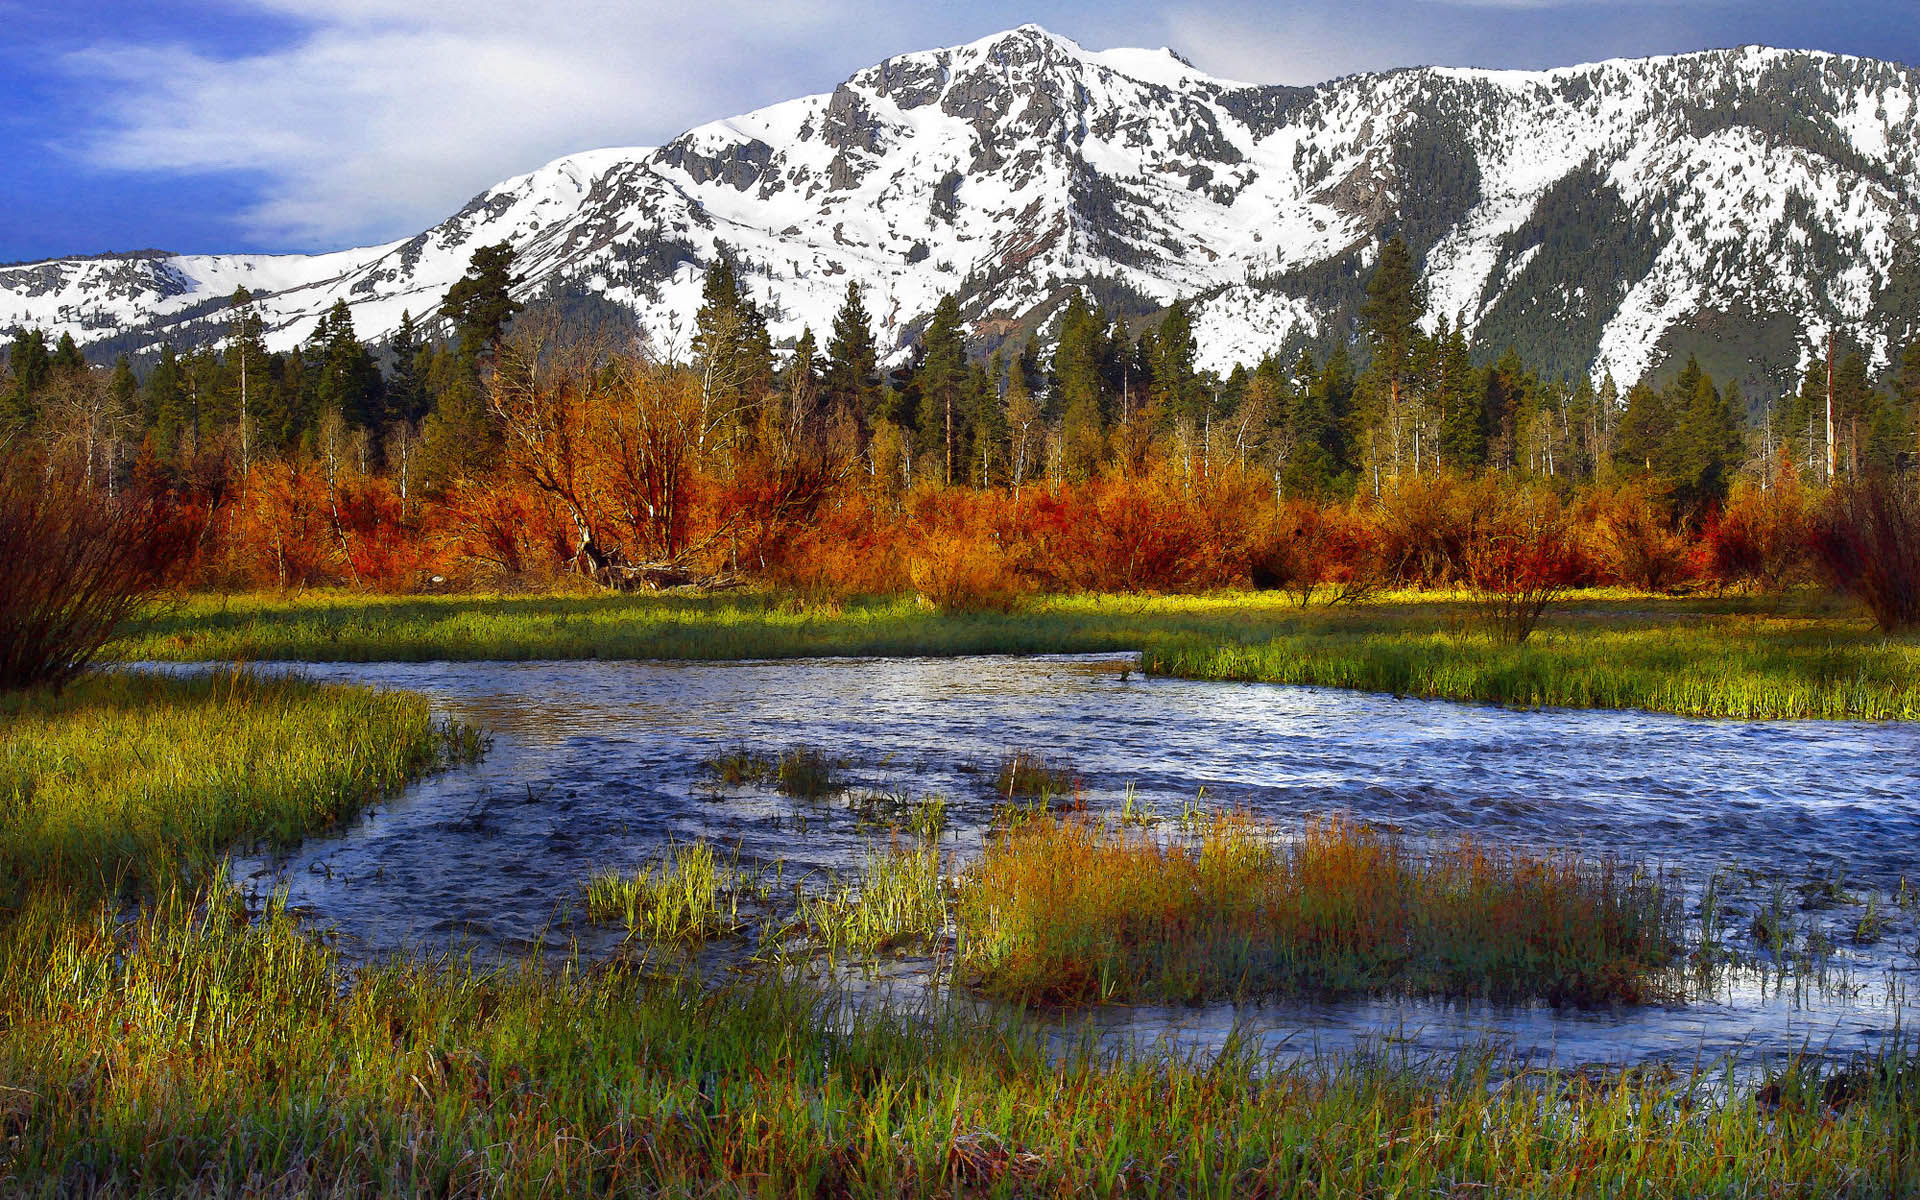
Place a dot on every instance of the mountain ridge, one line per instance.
(1603, 213)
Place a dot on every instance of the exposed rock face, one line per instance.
(1587, 213)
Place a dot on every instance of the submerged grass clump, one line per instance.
(1025, 773)
(686, 896)
(1075, 912)
(800, 771)
(924, 817)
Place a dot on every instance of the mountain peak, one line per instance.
(1594, 216)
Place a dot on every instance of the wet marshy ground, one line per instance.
(1796, 843)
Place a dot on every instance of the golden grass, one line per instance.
(1076, 912)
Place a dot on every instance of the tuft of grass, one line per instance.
(925, 817)
(684, 897)
(1074, 912)
(1025, 773)
(896, 902)
(740, 766)
(800, 771)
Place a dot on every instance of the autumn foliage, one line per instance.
(78, 566)
(1867, 539)
(599, 463)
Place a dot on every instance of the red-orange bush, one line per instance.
(78, 565)
(1520, 560)
(1633, 540)
(1867, 539)
(1760, 539)
(1422, 526)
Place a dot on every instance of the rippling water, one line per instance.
(595, 765)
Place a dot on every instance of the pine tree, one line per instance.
(1644, 429)
(943, 384)
(732, 351)
(853, 372)
(480, 304)
(1462, 396)
(67, 356)
(1176, 385)
(164, 401)
(462, 438)
(407, 399)
(347, 381)
(1509, 389)
(28, 363)
(1320, 432)
(1077, 394)
(1906, 390)
(1391, 314)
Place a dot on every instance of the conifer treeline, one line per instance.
(1114, 403)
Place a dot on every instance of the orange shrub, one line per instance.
(1631, 537)
(1760, 540)
(1422, 525)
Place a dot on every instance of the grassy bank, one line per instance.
(1756, 669)
(129, 783)
(1798, 657)
(198, 1048)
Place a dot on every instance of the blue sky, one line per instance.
(299, 125)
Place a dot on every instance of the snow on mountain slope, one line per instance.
(1588, 213)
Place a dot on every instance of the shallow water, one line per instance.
(596, 765)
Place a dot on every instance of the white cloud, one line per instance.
(373, 123)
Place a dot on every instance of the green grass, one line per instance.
(1800, 656)
(1749, 669)
(198, 1053)
(127, 782)
(686, 896)
(1078, 912)
(193, 1047)
(897, 901)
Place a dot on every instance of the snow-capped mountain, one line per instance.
(1599, 216)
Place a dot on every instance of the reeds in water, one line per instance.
(686, 896)
(1074, 912)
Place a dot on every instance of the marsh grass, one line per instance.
(198, 1052)
(1799, 655)
(686, 896)
(897, 901)
(127, 782)
(798, 771)
(1754, 670)
(1026, 773)
(1077, 912)
(198, 1047)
